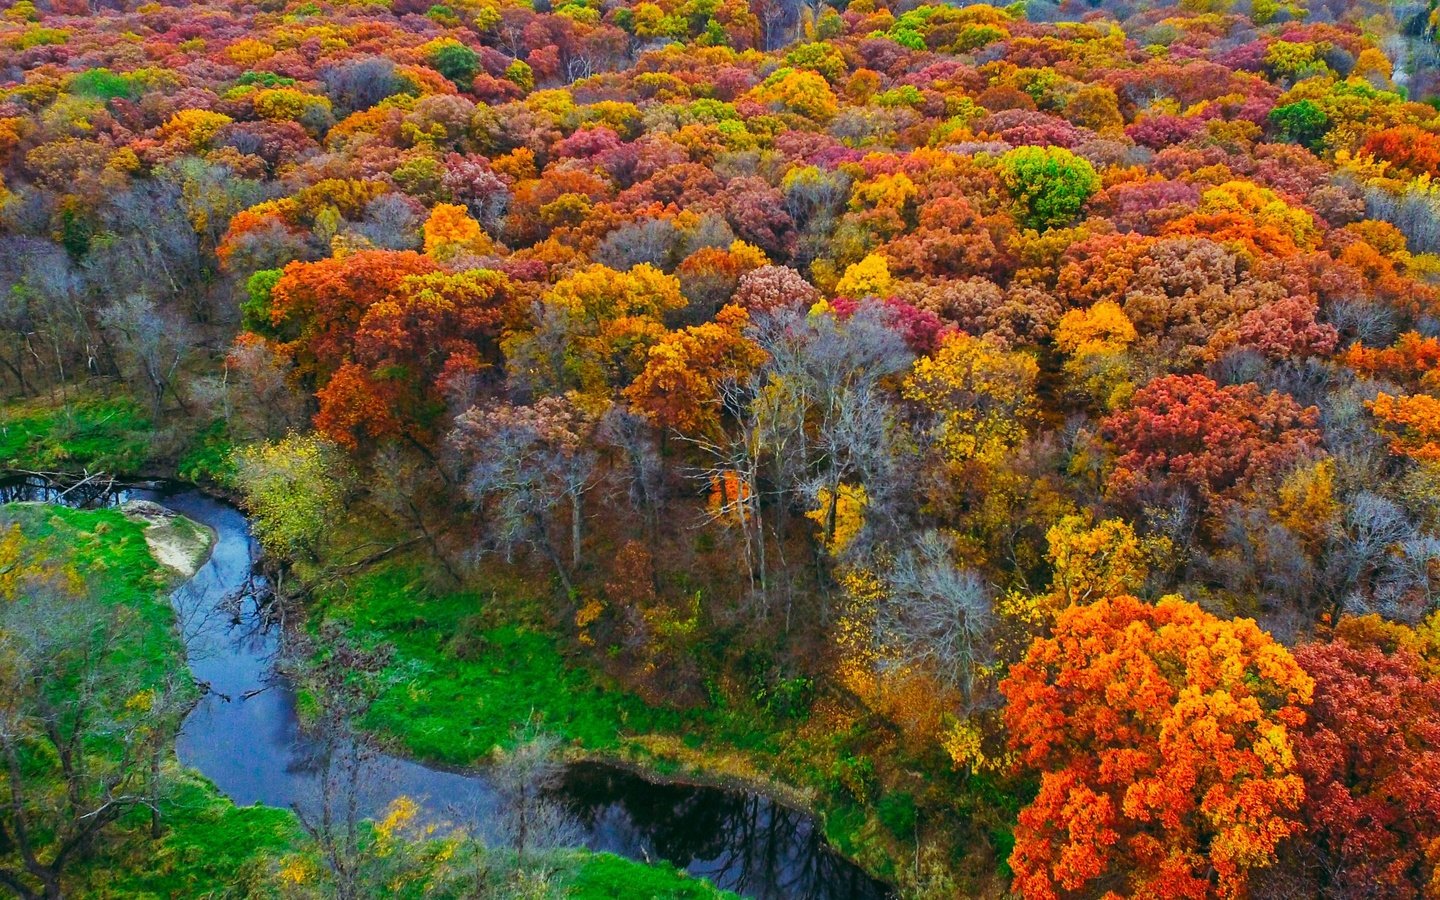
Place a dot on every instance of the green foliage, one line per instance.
(1048, 184)
(455, 61)
(1303, 122)
(443, 14)
(103, 84)
(603, 876)
(896, 812)
(98, 435)
(264, 80)
(76, 232)
(255, 308)
(818, 57)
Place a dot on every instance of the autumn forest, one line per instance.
(996, 446)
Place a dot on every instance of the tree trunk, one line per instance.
(576, 513)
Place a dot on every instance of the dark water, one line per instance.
(245, 737)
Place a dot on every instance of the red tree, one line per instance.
(1370, 757)
(1188, 431)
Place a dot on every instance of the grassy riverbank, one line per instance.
(471, 665)
(95, 434)
(208, 843)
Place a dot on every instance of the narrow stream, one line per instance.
(244, 736)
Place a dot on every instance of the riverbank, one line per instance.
(471, 664)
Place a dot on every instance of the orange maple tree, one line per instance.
(1162, 738)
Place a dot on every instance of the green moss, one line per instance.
(105, 435)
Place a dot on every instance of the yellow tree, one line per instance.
(980, 396)
(594, 330)
(1413, 422)
(450, 230)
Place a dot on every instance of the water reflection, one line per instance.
(741, 841)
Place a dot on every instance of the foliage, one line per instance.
(1368, 754)
(292, 489)
(1049, 185)
(1162, 736)
(823, 356)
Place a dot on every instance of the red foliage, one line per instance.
(1370, 757)
(1186, 431)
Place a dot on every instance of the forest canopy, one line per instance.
(1032, 409)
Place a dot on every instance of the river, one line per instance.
(245, 736)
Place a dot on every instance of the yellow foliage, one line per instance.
(399, 816)
(1102, 327)
(849, 508)
(870, 277)
(450, 230)
(965, 741)
(1100, 561)
(193, 128)
(588, 613)
(980, 395)
(296, 870)
(248, 51)
(1306, 502)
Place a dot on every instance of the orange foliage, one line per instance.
(1162, 739)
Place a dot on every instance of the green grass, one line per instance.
(603, 876)
(461, 684)
(105, 435)
(110, 553)
(212, 848)
(209, 460)
(469, 667)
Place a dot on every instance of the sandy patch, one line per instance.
(175, 541)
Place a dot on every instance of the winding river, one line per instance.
(244, 735)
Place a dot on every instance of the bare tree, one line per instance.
(344, 680)
(525, 465)
(150, 346)
(525, 776)
(936, 616)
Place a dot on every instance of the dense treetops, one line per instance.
(1014, 314)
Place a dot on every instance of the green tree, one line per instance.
(456, 62)
(1303, 122)
(1049, 184)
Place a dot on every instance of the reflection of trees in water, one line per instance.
(742, 842)
(81, 493)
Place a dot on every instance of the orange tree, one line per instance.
(1162, 738)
